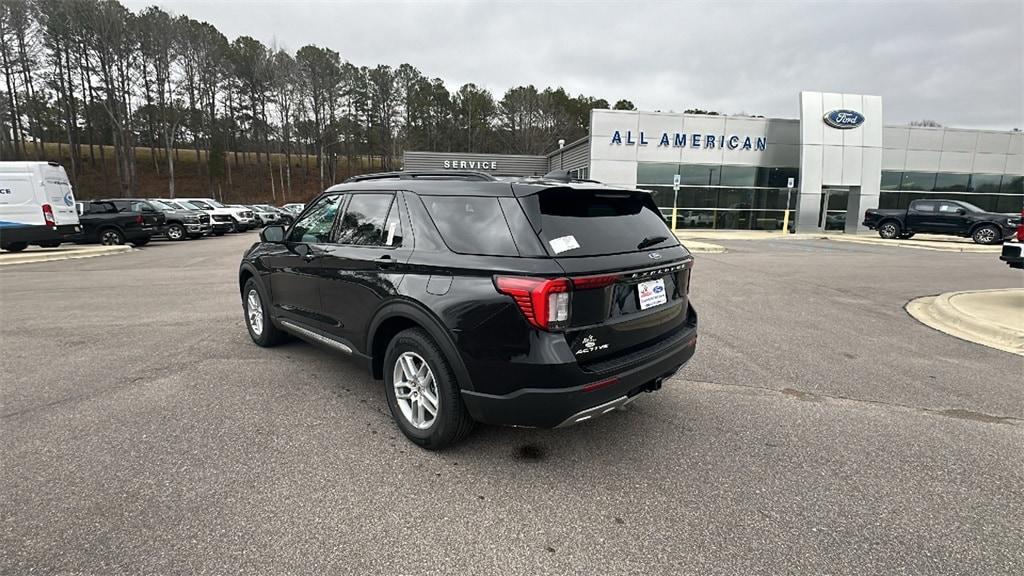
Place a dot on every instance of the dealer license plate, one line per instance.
(652, 293)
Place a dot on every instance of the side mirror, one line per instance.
(80, 208)
(273, 233)
(961, 211)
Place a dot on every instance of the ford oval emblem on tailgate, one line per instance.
(654, 255)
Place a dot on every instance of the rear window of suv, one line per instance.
(576, 222)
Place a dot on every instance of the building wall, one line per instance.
(498, 164)
(573, 157)
(850, 158)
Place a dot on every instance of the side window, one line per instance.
(924, 206)
(366, 221)
(471, 225)
(948, 208)
(315, 226)
(122, 205)
(100, 208)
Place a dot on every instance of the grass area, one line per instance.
(250, 181)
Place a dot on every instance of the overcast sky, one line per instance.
(959, 63)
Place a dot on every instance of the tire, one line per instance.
(15, 246)
(176, 232)
(257, 321)
(890, 229)
(110, 237)
(142, 241)
(451, 422)
(906, 236)
(52, 244)
(987, 234)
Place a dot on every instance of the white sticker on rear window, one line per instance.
(391, 233)
(563, 244)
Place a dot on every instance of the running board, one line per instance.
(314, 336)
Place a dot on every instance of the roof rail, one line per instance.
(425, 175)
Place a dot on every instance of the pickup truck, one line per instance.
(103, 223)
(948, 217)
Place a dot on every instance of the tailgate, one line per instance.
(625, 307)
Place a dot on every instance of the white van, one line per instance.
(37, 205)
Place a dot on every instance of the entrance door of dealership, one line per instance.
(833, 207)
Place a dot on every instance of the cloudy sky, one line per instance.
(959, 63)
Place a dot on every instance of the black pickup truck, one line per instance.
(948, 217)
(102, 222)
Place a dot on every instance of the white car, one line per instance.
(37, 205)
(242, 218)
(294, 208)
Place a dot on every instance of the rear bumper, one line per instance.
(38, 233)
(553, 407)
(1013, 254)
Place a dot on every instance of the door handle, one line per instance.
(309, 256)
(385, 262)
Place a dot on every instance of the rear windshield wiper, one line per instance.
(650, 241)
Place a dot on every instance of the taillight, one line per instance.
(48, 215)
(139, 220)
(543, 301)
(588, 282)
(1020, 228)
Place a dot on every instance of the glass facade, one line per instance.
(755, 197)
(991, 192)
(721, 196)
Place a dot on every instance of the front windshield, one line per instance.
(215, 204)
(161, 205)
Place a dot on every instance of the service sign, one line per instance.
(844, 119)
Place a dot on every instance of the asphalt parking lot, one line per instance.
(818, 430)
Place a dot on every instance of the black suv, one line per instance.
(539, 302)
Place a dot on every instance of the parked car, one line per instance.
(948, 217)
(220, 223)
(279, 216)
(103, 223)
(181, 222)
(235, 219)
(295, 208)
(37, 205)
(247, 215)
(1013, 249)
(541, 302)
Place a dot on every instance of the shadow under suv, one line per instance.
(538, 302)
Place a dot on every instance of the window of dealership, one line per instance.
(755, 198)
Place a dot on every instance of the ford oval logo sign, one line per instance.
(844, 119)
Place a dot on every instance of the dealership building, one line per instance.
(735, 172)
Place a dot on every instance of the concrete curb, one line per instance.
(703, 247)
(33, 257)
(933, 246)
(950, 313)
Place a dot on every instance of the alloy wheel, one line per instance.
(110, 238)
(985, 236)
(254, 309)
(175, 233)
(889, 230)
(415, 390)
